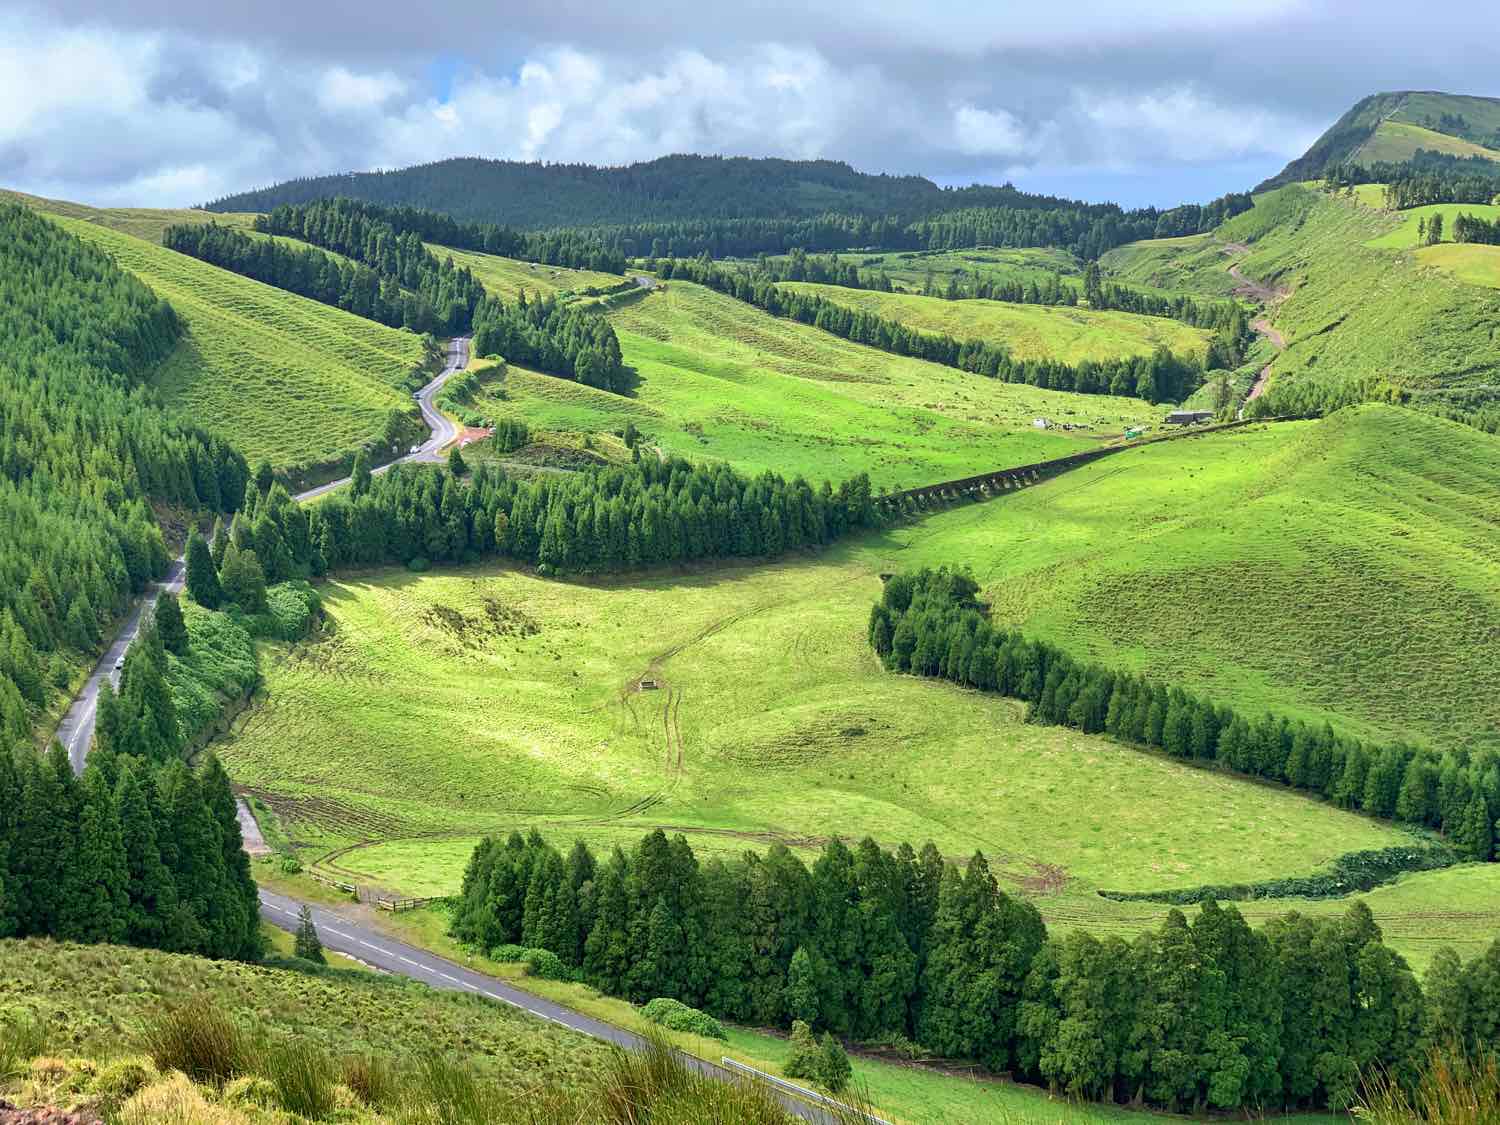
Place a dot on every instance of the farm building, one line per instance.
(1188, 417)
(1044, 423)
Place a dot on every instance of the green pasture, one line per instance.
(286, 378)
(717, 379)
(1029, 331)
(142, 222)
(1470, 263)
(507, 277)
(1397, 141)
(1404, 237)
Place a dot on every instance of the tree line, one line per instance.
(1427, 178)
(605, 519)
(308, 272)
(1159, 377)
(565, 340)
(929, 623)
(1469, 228)
(84, 448)
(897, 946)
(1199, 218)
(798, 265)
(578, 249)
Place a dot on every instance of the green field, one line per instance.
(142, 222)
(720, 380)
(910, 269)
(1029, 331)
(1397, 141)
(287, 378)
(1358, 311)
(1404, 237)
(1470, 263)
(506, 277)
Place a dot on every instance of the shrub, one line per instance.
(251, 1092)
(509, 953)
(120, 1079)
(834, 1069)
(545, 965)
(805, 1061)
(198, 1040)
(418, 565)
(677, 1016)
(176, 1101)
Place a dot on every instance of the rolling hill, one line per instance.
(1393, 126)
(288, 379)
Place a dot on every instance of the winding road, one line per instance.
(76, 731)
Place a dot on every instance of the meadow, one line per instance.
(1397, 141)
(1357, 311)
(507, 277)
(291, 380)
(141, 222)
(718, 379)
(909, 270)
(1070, 335)
(1405, 237)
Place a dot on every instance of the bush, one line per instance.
(418, 565)
(545, 965)
(677, 1016)
(251, 1092)
(120, 1079)
(198, 1040)
(806, 1059)
(509, 953)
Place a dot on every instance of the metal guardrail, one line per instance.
(734, 1065)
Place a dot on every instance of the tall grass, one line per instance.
(200, 1041)
(22, 1038)
(304, 1077)
(1455, 1088)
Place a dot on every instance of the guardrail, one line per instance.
(735, 1066)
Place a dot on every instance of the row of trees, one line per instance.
(1198, 218)
(579, 249)
(1427, 178)
(606, 519)
(1160, 377)
(1468, 228)
(929, 623)
(83, 449)
(873, 945)
(565, 340)
(308, 272)
(1052, 290)
(133, 851)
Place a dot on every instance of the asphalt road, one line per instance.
(443, 430)
(343, 936)
(76, 731)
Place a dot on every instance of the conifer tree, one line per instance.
(241, 904)
(243, 580)
(202, 578)
(150, 896)
(802, 988)
(170, 625)
(308, 945)
(1476, 836)
(359, 479)
(833, 1065)
(95, 905)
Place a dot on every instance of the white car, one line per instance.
(120, 664)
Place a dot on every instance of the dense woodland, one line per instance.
(930, 624)
(1426, 179)
(608, 519)
(83, 450)
(1468, 228)
(1161, 377)
(904, 946)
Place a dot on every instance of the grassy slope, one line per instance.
(1470, 264)
(142, 222)
(97, 1000)
(287, 378)
(1030, 331)
(908, 269)
(1404, 237)
(719, 379)
(1192, 263)
(1397, 141)
(1347, 569)
(506, 277)
(1356, 311)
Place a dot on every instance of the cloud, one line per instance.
(165, 101)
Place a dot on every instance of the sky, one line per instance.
(172, 103)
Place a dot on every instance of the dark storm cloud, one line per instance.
(176, 101)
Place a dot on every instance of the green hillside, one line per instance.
(719, 379)
(507, 277)
(1393, 126)
(288, 379)
(142, 222)
(1070, 335)
(1346, 569)
(1360, 313)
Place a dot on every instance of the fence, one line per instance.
(378, 899)
(1003, 480)
(848, 1112)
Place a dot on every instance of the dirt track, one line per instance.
(1247, 288)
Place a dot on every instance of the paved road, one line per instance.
(443, 430)
(373, 948)
(76, 731)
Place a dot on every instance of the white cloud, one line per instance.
(343, 91)
(1183, 124)
(988, 132)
